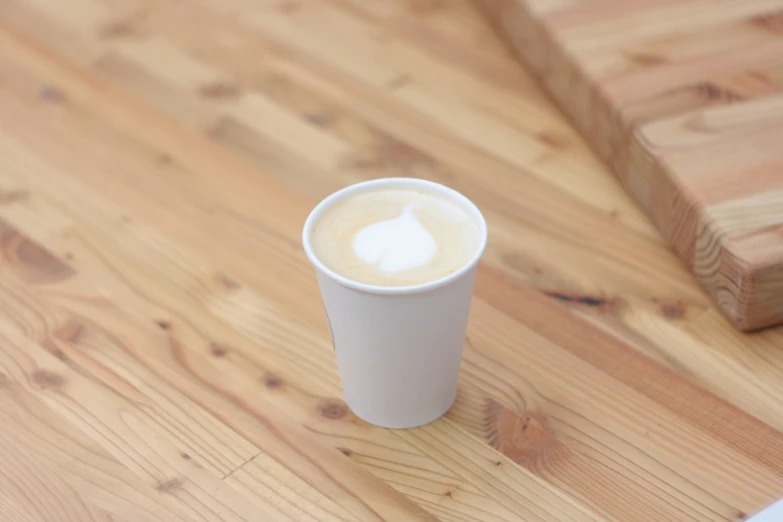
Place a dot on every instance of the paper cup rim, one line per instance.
(412, 183)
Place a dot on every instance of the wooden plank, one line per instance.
(44, 453)
(242, 310)
(275, 368)
(681, 96)
(100, 355)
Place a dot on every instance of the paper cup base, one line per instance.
(385, 421)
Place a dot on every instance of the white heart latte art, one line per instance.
(396, 244)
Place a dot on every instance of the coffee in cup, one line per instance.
(395, 260)
(395, 237)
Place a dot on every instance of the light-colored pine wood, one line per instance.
(684, 100)
(157, 161)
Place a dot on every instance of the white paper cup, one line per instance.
(398, 348)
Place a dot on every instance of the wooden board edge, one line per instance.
(734, 284)
(749, 286)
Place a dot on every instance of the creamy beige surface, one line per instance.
(454, 230)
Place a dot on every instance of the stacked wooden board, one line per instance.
(683, 98)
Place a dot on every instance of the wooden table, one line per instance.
(163, 349)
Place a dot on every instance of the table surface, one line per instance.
(163, 349)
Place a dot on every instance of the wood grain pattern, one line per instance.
(162, 340)
(683, 99)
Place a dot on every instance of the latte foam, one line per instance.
(395, 237)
